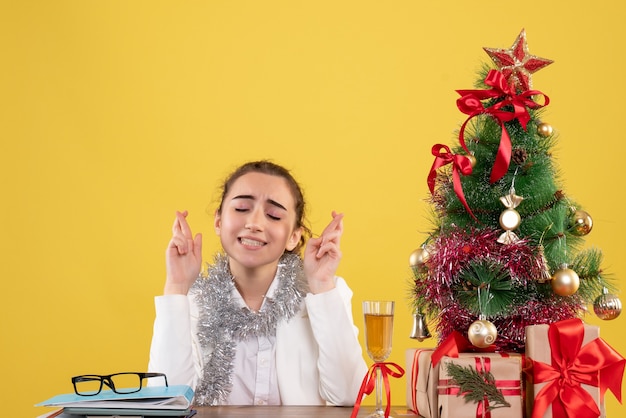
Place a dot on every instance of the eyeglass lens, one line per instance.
(87, 385)
(120, 383)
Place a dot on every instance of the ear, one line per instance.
(217, 223)
(294, 239)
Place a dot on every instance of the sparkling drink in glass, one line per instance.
(378, 317)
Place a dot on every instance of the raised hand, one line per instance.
(322, 256)
(183, 257)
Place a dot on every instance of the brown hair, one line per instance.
(272, 169)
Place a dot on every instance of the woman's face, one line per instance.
(257, 221)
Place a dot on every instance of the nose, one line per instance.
(254, 221)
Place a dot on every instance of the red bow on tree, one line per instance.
(471, 104)
(460, 163)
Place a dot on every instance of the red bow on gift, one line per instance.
(454, 344)
(595, 364)
(471, 104)
(460, 163)
(369, 383)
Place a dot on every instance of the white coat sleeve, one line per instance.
(175, 348)
(340, 363)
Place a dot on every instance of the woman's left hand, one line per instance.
(322, 256)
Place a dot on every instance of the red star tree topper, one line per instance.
(516, 64)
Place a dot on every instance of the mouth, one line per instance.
(251, 242)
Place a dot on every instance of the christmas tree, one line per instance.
(506, 248)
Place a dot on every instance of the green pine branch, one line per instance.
(588, 265)
(485, 288)
(475, 386)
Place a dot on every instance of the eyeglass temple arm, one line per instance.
(144, 375)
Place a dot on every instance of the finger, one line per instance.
(179, 243)
(338, 218)
(183, 224)
(197, 245)
(312, 245)
(332, 235)
(330, 248)
(334, 230)
(335, 224)
(177, 226)
(339, 229)
(180, 233)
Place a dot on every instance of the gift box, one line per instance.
(421, 382)
(506, 368)
(570, 370)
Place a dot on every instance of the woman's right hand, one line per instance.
(183, 257)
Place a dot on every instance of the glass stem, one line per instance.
(379, 392)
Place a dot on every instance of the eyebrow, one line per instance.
(250, 197)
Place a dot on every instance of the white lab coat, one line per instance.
(318, 356)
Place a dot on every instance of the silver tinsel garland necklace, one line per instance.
(222, 323)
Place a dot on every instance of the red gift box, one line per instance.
(507, 371)
(571, 369)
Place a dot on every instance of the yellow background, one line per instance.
(114, 114)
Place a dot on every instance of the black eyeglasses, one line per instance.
(128, 382)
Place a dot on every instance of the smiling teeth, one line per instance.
(252, 242)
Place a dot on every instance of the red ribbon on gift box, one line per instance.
(471, 104)
(414, 373)
(596, 364)
(369, 383)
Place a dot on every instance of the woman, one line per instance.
(262, 326)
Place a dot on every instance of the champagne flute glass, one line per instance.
(378, 317)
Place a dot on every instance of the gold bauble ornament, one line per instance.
(418, 257)
(580, 223)
(544, 129)
(565, 281)
(510, 219)
(607, 306)
(482, 333)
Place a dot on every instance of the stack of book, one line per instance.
(152, 401)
